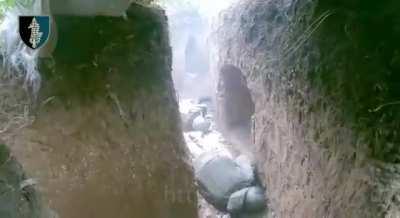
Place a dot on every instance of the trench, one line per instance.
(215, 102)
(101, 111)
(299, 96)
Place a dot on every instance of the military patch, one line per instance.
(34, 30)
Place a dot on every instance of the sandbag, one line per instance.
(247, 200)
(218, 177)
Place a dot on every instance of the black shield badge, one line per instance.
(34, 30)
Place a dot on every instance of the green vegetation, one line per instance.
(126, 52)
(352, 56)
(7, 4)
(359, 70)
(4, 153)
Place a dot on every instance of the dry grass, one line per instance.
(15, 107)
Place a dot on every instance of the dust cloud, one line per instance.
(190, 25)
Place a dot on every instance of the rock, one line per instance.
(247, 200)
(201, 124)
(218, 177)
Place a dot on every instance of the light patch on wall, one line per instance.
(207, 8)
(213, 7)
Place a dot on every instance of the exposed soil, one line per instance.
(106, 140)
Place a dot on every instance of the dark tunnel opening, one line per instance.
(236, 106)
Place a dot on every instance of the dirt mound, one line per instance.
(106, 140)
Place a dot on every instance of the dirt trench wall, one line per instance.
(323, 77)
(106, 140)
